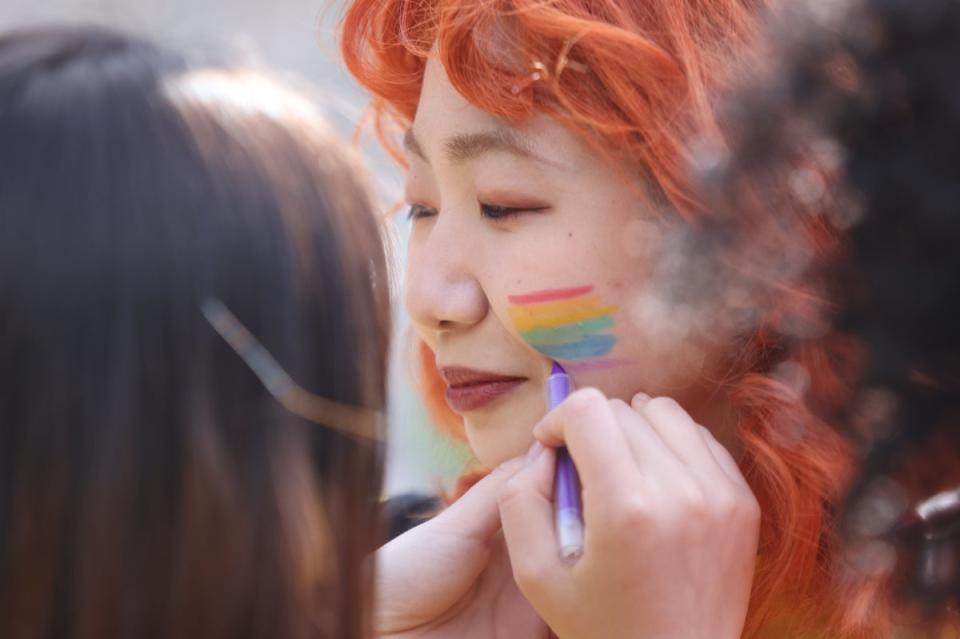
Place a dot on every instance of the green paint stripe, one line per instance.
(567, 332)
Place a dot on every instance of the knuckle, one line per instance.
(687, 496)
(511, 491)
(724, 505)
(693, 500)
(634, 513)
(584, 402)
(738, 507)
(530, 575)
(663, 406)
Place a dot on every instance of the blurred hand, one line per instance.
(450, 576)
(671, 525)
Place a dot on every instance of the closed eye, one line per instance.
(419, 211)
(494, 212)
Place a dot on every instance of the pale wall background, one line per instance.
(296, 38)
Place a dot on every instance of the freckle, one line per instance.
(570, 234)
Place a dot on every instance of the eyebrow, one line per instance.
(469, 146)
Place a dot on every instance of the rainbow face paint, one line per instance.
(567, 324)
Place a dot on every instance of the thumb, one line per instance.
(426, 570)
(526, 511)
(476, 515)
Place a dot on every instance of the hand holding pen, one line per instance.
(670, 524)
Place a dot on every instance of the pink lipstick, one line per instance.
(470, 390)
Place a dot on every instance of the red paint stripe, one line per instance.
(549, 296)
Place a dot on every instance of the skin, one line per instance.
(578, 221)
(671, 540)
(451, 576)
(671, 525)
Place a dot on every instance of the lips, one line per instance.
(469, 390)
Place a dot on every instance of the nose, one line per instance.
(442, 291)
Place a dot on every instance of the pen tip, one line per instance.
(557, 369)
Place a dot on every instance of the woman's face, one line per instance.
(527, 247)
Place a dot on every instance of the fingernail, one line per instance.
(535, 451)
(643, 398)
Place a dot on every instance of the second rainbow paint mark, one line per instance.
(567, 323)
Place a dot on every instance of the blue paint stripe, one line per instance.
(567, 332)
(589, 346)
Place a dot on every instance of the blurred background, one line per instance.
(296, 38)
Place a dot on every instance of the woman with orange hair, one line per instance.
(547, 147)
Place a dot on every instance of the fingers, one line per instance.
(526, 515)
(476, 514)
(655, 485)
(725, 460)
(692, 443)
(658, 433)
(612, 444)
(426, 570)
(677, 430)
(586, 424)
(653, 456)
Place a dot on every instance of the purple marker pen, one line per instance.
(566, 483)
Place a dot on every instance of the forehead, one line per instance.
(442, 107)
(444, 114)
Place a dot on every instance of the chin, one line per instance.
(505, 432)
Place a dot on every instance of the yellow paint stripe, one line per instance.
(560, 307)
(527, 322)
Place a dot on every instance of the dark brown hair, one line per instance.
(150, 486)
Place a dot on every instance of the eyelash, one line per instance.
(417, 211)
(495, 213)
(489, 211)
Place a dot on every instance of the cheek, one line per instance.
(416, 299)
(574, 325)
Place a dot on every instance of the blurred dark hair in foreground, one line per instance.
(150, 485)
(844, 174)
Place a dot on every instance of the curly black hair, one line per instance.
(846, 162)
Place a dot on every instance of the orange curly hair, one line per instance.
(642, 78)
